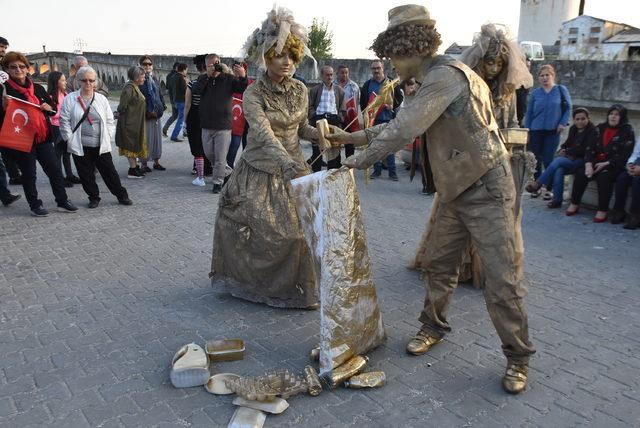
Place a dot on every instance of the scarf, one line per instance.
(39, 121)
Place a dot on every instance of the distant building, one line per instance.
(540, 20)
(590, 38)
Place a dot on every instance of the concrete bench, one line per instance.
(590, 198)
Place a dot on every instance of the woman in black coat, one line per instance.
(604, 161)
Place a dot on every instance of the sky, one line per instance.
(206, 26)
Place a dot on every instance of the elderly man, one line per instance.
(370, 90)
(352, 103)
(73, 84)
(473, 177)
(326, 101)
(216, 89)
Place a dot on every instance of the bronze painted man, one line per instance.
(473, 177)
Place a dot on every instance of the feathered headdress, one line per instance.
(273, 33)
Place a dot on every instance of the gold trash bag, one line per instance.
(329, 210)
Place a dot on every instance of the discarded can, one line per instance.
(366, 380)
(315, 354)
(350, 368)
(314, 387)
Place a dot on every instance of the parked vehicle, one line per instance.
(533, 50)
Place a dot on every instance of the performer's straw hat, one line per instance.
(409, 14)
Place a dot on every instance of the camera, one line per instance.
(218, 67)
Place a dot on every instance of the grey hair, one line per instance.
(134, 72)
(77, 60)
(85, 70)
(325, 67)
(209, 57)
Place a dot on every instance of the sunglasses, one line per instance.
(88, 80)
(18, 67)
(146, 63)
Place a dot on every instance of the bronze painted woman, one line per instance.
(259, 251)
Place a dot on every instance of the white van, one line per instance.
(533, 50)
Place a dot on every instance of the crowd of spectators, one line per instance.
(603, 154)
(77, 122)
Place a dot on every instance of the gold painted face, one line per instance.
(404, 66)
(280, 65)
(491, 68)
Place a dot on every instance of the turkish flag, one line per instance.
(19, 127)
(237, 117)
(374, 114)
(352, 115)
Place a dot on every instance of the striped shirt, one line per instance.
(195, 98)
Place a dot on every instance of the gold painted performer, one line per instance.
(500, 63)
(473, 177)
(259, 251)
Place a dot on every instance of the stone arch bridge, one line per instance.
(112, 69)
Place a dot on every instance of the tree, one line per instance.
(320, 39)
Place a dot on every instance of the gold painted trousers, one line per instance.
(485, 214)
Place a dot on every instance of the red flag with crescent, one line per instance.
(373, 114)
(19, 126)
(352, 114)
(237, 117)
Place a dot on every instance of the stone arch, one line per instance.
(122, 81)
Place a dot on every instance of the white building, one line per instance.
(540, 20)
(589, 38)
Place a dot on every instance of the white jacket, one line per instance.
(70, 114)
(635, 156)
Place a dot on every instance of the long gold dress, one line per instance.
(259, 251)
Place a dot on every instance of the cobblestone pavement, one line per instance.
(93, 306)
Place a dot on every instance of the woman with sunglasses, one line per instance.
(87, 124)
(21, 86)
(155, 107)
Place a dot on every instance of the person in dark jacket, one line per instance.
(326, 101)
(6, 197)
(179, 89)
(216, 89)
(522, 98)
(582, 134)
(630, 178)
(368, 92)
(57, 89)
(171, 90)
(21, 86)
(604, 161)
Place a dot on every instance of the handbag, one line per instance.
(85, 115)
(564, 104)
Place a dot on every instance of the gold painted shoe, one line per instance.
(514, 380)
(421, 343)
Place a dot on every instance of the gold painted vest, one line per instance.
(464, 142)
